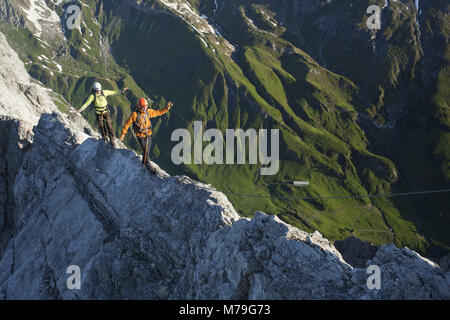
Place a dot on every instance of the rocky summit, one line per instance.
(68, 199)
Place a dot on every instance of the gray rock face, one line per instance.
(9, 13)
(444, 263)
(355, 251)
(16, 140)
(20, 98)
(21, 103)
(72, 200)
(405, 275)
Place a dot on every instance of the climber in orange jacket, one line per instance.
(142, 127)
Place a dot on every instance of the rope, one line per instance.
(388, 195)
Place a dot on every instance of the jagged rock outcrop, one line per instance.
(404, 274)
(16, 140)
(78, 201)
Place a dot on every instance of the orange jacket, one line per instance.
(144, 122)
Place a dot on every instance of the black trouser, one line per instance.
(145, 143)
(108, 129)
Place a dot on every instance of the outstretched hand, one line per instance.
(169, 105)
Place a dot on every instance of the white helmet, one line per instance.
(96, 86)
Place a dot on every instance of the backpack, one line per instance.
(136, 127)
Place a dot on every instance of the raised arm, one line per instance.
(156, 113)
(114, 92)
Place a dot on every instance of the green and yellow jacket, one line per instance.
(99, 101)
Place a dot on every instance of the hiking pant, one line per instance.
(106, 129)
(145, 143)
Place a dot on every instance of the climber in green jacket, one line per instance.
(98, 98)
